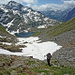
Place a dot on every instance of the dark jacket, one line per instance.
(49, 56)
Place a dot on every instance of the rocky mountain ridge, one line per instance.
(18, 18)
(61, 15)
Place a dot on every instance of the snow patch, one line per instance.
(13, 32)
(16, 12)
(4, 9)
(46, 19)
(3, 51)
(34, 48)
(10, 23)
(43, 26)
(6, 43)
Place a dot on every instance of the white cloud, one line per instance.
(46, 7)
(33, 4)
(66, 4)
(30, 1)
(20, 1)
(70, 3)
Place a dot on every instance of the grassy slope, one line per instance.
(10, 39)
(59, 29)
(64, 27)
(2, 29)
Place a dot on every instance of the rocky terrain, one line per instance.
(19, 65)
(7, 41)
(66, 55)
(63, 60)
(63, 35)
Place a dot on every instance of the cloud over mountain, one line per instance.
(70, 3)
(48, 6)
(30, 1)
(66, 4)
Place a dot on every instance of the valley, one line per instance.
(27, 35)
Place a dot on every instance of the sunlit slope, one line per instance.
(56, 30)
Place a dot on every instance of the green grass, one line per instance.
(3, 29)
(64, 27)
(3, 32)
(64, 70)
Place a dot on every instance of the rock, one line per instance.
(31, 56)
(19, 65)
(2, 64)
(13, 72)
(43, 73)
(66, 74)
(65, 56)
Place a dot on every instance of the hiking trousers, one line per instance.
(48, 61)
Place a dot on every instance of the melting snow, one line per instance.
(4, 9)
(6, 43)
(34, 48)
(10, 23)
(42, 26)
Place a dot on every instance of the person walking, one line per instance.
(49, 56)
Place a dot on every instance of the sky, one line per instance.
(44, 4)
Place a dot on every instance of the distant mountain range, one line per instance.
(60, 15)
(17, 18)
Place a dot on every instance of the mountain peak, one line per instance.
(14, 5)
(18, 18)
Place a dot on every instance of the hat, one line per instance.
(49, 53)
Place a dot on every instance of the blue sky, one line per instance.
(40, 2)
(44, 4)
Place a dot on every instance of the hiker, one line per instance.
(48, 58)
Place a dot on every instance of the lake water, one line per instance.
(24, 34)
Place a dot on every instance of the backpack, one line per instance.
(49, 56)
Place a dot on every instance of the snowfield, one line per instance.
(34, 48)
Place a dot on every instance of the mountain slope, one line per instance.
(8, 42)
(57, 30)
(5, 36)
(64, 35)
(69, 15)
(18, 18)
(3, 32)
(61, 15)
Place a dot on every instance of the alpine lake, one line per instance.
(28, 34)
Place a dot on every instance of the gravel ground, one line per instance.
(66, 55)
(65, 38)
